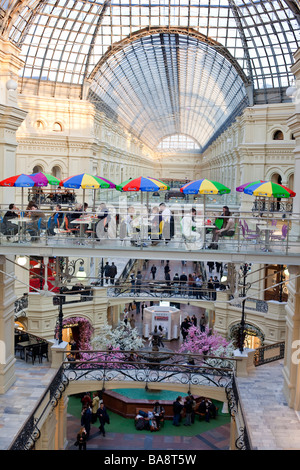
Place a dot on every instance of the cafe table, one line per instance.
(21, 221)
(25, 345)
(267, 230)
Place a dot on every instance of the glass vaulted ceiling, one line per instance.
(166, 81)
(167, 84)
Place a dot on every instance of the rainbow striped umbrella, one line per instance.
(84, 181)
(111, 184)
(241, 188)
(43, 179)
(144, 184)
(204, 186)
(269, 189)
(19, 181)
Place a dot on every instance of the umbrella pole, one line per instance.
(94, 200)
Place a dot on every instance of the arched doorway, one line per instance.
(37, 169)
(254, 337)
(56, 171)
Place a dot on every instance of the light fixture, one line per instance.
(81, 274)
(223, 278)
(21, 260)
(11, 85)
(290, 91)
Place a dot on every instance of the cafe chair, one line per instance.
(248, 230)
(249, 237)
(32, 352)
(43, 352)
(281, 236)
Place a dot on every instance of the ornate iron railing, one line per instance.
(269, 353)
(31, 431)
(21, 304)
(158, 367)
(235, 409)
(160, 288)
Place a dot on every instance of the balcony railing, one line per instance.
(262, 233)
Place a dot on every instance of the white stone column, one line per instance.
(294, 124)
(7, 299)
(11, 116)
(291, 371)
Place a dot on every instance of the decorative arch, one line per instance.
(250, 329)
(116, 47)
(278, 135)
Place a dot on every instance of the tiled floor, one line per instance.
(216, 439)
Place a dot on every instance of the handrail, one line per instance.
(30, 432)
(260, 353)
(243, 441)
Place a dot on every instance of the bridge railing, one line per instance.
(149, 366)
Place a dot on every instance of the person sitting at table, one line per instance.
(126, 224)
(10, 229)
(33, 227)
(159, 413)
(155, 224)
(191, 237)
(104, 218)
(226, 230)
(56, 220)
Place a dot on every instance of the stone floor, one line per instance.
(272, 424)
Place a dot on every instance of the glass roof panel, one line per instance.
(64, 41)
(168, 84)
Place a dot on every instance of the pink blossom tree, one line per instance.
(208, 343)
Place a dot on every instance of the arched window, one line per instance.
(278, 135)
(178, 142)
(37, 169)
(56, 171)
(57, 127)
(276, 178)
(39, 125)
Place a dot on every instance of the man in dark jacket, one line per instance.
(183, 280)
(107, 268)
(103, 418)
(177, 408)
(113, 272)
(153, 271)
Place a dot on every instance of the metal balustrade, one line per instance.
(260, 234)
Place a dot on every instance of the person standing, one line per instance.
(177, 408)
(184, 329)
(125, 313)
(183, 280)
(86, 418)
(202, 323)
(81, 439)
(153, 271)
(138, 282)
(132, 282)
(95, 406)
(132, 321)
(113, 272)
(188, 411)
(210, 286)
(103, 418)
(107, 272)
(198, 288)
